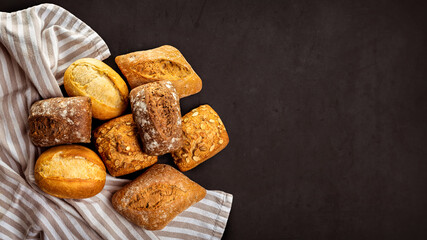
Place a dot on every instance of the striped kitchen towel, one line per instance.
(36, 46)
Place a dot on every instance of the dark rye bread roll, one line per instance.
(57, 121)
(156, 111)
(157, 196)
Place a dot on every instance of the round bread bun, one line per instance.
(95, 79)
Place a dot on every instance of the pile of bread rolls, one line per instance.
(158, 78)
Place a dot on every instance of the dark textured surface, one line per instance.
(325, 103)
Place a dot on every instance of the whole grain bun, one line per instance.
(57, 121)
(118, 145)
(95, 79)
(204, 135)
(156, 111)
(157, 196)
(70, 171)
(158, 64)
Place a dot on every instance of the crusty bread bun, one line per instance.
(165, 63)
(61, 120)
(157, 114)
(95, 79)
(70, 171)
(118, 146)
(204, 135)
(157, 196)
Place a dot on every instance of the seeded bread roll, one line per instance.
(162, 63)
(70, 171)
(204, 136)
(95, 79)
(118, 145)
(156, 197)
(156, 111)
(57, 121)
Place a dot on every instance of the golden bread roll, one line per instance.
(204, 135)
(70, 171)
(95, 79)
(118, 145)
(157, 196)
(158, 64)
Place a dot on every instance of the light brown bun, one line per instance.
(95, 79)
(70, 171)
(153, 199)
(204, 135)
(159, 64)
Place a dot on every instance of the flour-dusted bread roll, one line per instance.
(57, 121)
(118, 145)
(156, 111)
(157, 196)
(95, 79)
(158, 64)
(204, 136)
(70, 171)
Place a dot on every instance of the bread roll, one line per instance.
(95, 79)
(118, 145)
(57, 121)
(156, 197)
(156, 111)
(70, 171)
(158, 64)
(204, 135)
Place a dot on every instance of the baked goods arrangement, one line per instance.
(127, 142)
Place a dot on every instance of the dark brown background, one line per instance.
(325, 103)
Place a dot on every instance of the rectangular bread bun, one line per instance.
(204, 135)
(156, 111)
(156, 197)
(118, 145)
(57, 121)
(158, 64)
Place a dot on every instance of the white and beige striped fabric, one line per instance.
(36, 46)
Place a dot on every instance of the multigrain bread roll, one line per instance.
(156, 197)
(162, 63)
(95, 79)
(57, 121)
(118, 145)
(156, 111)
(204, 135)
(70, 171)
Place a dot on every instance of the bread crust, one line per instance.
(159, 64)
(156, 197)
(57, 121)
(95, 79)
(70, 171)
(117, 144)
(204, 135)
(156, 111)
